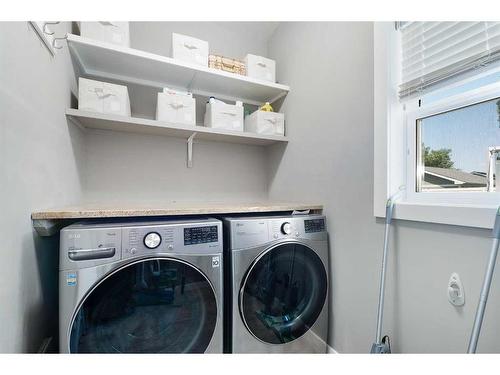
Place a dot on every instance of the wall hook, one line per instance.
(54, 41)
(47, 31)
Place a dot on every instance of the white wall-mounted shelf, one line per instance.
(93, 120)
(108, 61)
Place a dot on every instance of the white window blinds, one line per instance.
(436, 51)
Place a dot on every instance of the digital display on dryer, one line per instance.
(199, 235)
(314, 225)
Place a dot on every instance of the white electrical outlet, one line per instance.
(456, 294)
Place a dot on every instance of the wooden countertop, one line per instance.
(167, 209)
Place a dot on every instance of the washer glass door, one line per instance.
(283, 293)
(152, 306)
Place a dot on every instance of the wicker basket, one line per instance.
(226, 64)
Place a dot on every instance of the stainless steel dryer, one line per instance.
(276, 284)
(134, 287)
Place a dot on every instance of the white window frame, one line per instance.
(395, 146)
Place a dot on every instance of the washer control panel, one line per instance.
(203, 237)
(89, 244)
(199, 235)
(152, 240)
(286, 228)
(314, 225)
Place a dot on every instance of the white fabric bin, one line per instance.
(189, 49)
(260, 67)
(176, 108)
(107, 31)
(268, 123)
(224, 116)
(103, 97)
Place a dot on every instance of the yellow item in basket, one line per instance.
(266, 108)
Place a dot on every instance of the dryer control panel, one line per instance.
(249, 232)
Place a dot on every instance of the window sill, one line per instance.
(461, 215)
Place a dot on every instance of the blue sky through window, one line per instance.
(468, 132)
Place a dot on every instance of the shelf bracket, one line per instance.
(190, 150)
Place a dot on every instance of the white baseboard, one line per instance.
(330, 350)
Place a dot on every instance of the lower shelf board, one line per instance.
(94, 120)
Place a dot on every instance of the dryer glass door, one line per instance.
(152, 306)
(283, 293)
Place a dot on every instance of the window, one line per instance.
(451, 94)
(458, 150)
(453, 147)
(437, 121)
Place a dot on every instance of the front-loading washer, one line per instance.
(141, 287)
(276, 284)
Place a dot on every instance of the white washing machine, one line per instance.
(134, 287)
(276, 284)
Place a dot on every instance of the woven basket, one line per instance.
(226, 64)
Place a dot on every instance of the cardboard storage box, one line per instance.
(260, 67)
(227, 64)
(107, 31)
(262, 122)
(189, 49)
(103, 97)
(176, 107)
(224, 116)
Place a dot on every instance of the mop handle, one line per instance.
(389, 208)
(478, 321)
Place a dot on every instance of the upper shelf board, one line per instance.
(108, 61)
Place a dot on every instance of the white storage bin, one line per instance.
(224, 116)
(106, 31)
(176, 108)
(189, 49)
(103, 97)
(262, 122)
(260, 67)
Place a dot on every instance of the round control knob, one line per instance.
(286, 228)
(152, 240)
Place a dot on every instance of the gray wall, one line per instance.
(131, 167)
(231, 39)
(40, 161)
(125, 167)
(329, 117)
